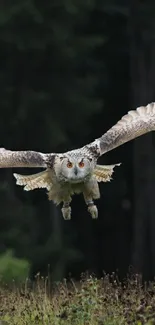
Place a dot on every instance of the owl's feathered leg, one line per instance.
(66, 209)
(90, 192)
(92, 209)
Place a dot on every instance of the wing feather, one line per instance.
(132, 125)
(10, 159)
(104, 173)
(31, 182)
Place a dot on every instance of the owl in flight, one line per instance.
(77, 171)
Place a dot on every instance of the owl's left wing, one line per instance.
(132, 125)
(10, 159)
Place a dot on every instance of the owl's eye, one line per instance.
(81, 164)
(69, 164)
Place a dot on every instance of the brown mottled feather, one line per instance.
(132, 125)
(10, 159)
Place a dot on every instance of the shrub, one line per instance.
(13, 268)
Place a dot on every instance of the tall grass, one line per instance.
(91, 301)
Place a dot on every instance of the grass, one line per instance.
(90, 301)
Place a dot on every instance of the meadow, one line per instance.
(90, 301)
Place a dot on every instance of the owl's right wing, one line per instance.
(132, 125)
(10, 159)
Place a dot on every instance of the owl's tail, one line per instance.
(31, 182)
(104, 173)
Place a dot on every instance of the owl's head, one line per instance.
(75, 169)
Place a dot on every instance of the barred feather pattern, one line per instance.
(103, 173)
(31, 182)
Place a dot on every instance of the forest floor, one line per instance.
(91, 301)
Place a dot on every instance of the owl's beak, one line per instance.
(75, 170)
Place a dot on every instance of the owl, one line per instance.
(77, 171)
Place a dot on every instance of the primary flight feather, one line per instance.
(77, 171)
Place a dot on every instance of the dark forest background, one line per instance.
(69, 69)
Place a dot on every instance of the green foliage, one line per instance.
(13, 269)
(91, 301)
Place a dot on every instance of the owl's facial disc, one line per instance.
(77, 166)
(77, 169)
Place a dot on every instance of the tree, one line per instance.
(142, 58)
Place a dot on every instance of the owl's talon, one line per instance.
(92, 209)
(66, 212)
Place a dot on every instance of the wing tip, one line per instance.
(19, 181)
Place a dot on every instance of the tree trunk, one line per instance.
(142, 69)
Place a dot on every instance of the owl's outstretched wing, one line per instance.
(10, 159)
(132, 125)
